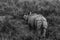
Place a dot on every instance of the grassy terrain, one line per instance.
(16, 28)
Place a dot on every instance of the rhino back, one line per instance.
(31, 19)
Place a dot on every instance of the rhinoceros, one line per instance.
(37, 20)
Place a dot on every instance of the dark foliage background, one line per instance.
(17, 29)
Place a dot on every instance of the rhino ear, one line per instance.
(30, 13)
(24, 16)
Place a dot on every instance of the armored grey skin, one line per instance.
(37, 20)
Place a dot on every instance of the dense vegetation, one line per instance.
(16, 28)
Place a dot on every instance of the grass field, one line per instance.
(14, 27)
